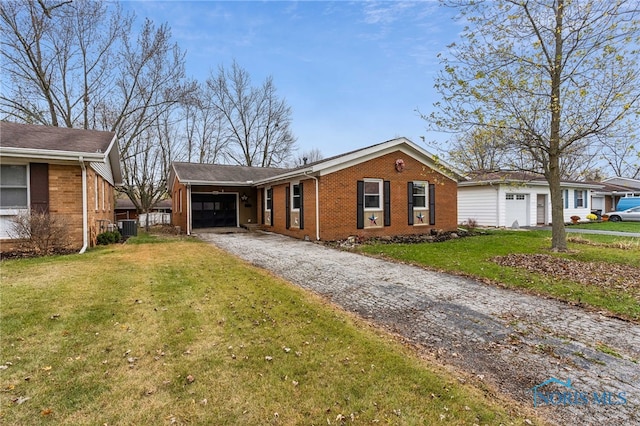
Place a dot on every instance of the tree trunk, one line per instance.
(558, 233)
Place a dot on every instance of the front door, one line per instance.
(541, 209)
(213, 210)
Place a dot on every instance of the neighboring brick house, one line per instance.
(391, 188)
(69, 173)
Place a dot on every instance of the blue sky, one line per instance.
(352, 72)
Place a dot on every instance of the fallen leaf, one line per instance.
(190, 379)
(47, 412)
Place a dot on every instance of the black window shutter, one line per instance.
(39, 182)
(410, 202)
(360, 205)
(386, 189)
(432, 204)
(301, 211)
(287, 207)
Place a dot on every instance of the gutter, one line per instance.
(85, 218)
(317, 207)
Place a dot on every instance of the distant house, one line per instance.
(391, 188)
(69, 173)
(508, 198)
(606, 198)
(126, 210)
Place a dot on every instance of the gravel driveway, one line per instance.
(512, 341)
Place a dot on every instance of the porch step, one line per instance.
(250, 226)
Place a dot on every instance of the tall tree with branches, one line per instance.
(555, 74)
(256, 122)
(59, 58)
(79, 64)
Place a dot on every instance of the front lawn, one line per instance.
(475, 256)
(179, 332)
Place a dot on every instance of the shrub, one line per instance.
(108, 237)
(40, 233)
(472, 224)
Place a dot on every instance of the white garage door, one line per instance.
(516, 209)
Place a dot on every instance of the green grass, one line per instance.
(472, 256)
(179, 332)
(611, 226)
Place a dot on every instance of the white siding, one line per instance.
(104, 170)
(479, 203)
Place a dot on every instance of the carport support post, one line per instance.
(188, 209)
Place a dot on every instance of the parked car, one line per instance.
(631, 215)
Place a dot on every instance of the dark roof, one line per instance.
(623, 184)
(194, 172)
(124, 203)
(609, 187)
(30, 136)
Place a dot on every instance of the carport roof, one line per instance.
(219, 174)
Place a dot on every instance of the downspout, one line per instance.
(85, 218)
(317, 207)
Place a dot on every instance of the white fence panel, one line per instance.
(154, 219)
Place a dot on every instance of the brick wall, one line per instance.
(179, 206)
(65, 198)
(338, 199)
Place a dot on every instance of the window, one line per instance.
(295, 197)
(13, 187)
(580, 199)
(520, 197)
(268, 198)
(419, 195)
(373, 194)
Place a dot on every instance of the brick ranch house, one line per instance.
(69, 173)
(391, 188)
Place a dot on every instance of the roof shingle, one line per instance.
(30, 136)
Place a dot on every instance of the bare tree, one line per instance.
(204, 128)
(150, 88)
(78, 64)
(622, 155)
(555, 74)
(309, 156)
(256, 122)
(59, 58)
(147, 171)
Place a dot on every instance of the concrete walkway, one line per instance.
(511, 340)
